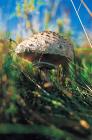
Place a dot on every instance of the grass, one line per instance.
(29, 104)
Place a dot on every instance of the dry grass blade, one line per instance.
(81, 24)
(85, 5)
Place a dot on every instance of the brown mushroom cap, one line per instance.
(47, 46)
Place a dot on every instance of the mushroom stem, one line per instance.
(43, 70)
(59, 73)
(65, 72)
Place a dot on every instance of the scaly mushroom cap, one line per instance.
(46, 43)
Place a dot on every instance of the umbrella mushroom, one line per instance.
(48, 47)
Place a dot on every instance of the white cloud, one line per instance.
(35, 22)
(66, 22)
(20, 31)
(3, 22)
(81, 38)
(85, 40)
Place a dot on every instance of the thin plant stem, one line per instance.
(81, 23)
(85, 5)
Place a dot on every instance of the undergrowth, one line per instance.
(35, 102)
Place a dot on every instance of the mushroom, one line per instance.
(48, 47)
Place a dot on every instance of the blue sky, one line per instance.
(8, 7)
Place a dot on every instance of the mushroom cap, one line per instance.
(46, 42)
